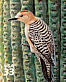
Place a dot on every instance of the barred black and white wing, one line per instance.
(41, 36)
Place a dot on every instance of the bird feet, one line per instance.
(25, 45)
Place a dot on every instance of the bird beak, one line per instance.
(12, 19)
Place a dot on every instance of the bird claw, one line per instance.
(25, 45)
(29, 55)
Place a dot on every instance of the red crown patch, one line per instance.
(23, 11)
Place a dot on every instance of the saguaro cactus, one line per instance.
(63, 42)
(45, 10)
(28, 58)
(54, 25)
(15, 41)
(6, 39)
(0, 44)
(38, 9)
(1, 38)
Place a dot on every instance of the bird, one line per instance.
(40, 39)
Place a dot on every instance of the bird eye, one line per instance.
(21, 15)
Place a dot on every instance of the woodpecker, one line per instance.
(40, 40)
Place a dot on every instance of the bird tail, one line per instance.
(46, 69)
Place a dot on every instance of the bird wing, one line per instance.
(40, 35)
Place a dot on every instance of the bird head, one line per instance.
(24, 16)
